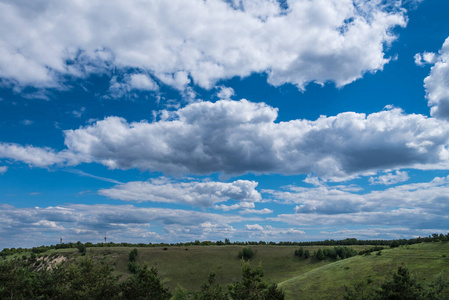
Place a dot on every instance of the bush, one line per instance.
(133, 267)
(299, 252)
(133, 255)
(246, 253)
(252, 286)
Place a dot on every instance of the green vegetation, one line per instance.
(246, 253)
(402, 286)
(425, 262)
(90, 279)
(207, 270)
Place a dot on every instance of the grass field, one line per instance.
(190, 266)
(425, 261)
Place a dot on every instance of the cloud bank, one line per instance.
(237, 137)
(416, 206)
(181, 41)
(203, 194)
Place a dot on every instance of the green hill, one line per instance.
(190, 266)
(425, 261)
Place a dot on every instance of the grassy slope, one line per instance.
(190, 268)
(299, 278)
(425, 262)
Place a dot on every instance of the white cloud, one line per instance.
(256, 231)
(123, 86)
(419, 205)
(254, 227)
(235, 137)
(39, 157)
(425, 58)
(142, 82)
(225, 92)
(333, 40)
(124, 223)
(262, 211)
(204, 194)
(390, 178)
(437, 83)
(3, 169)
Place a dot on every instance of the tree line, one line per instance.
(338, 252)
(345, 242)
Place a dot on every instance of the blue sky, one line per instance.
(172, 121)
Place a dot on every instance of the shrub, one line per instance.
(299, 252)
(133, 267)
(246, 253)
(133, 255)
(81, 249)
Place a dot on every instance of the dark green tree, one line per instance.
(253, 287)
(88, 280)
(401, 287)
(14, 281)
(144, 284)
(133, 255)
(320, 255)
(299, 252)
(211, 290)
(246, 253)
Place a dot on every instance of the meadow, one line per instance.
(300, 278)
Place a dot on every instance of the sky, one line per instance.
(151, 121)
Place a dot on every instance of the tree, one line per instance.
(401, 287)
(88, 280)
(14, 281)
(246, 253)
(319, 255)
(212, 290)
(144, 284)
(253, 287)
(133, 255)
(299, 252)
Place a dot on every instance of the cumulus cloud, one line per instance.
(204, 41)
(237, 137)
(419, 205)
(225, 92)
(38, 157)
(437, 83)
(204, 194)
(124, 86)
(390, 178)
(425, 58)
